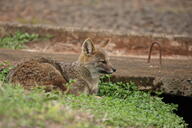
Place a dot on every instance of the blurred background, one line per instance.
(139, 16)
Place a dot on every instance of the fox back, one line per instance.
(85, 72)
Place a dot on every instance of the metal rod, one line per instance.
(160, 53)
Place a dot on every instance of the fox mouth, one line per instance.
(105, 72)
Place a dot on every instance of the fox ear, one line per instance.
(88, 47)
(104, 44)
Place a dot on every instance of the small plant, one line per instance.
(17, 40)
(4, 69)
(69, 85)
(106, 78)
(118, 90)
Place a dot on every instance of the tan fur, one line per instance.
(85, 71)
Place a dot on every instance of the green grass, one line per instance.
(18, 40)
(4, 70)
(120, 105)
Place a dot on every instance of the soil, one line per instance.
(130, 16)
(172, 77)
(69, 40)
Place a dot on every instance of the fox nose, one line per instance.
(114, 70)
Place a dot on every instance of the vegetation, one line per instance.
(4, 70)
(119, 105)
(17, 40)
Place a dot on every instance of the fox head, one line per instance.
(95, 58)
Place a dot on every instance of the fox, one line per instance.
(84, 73)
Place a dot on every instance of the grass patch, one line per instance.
(121, 105)
(37, 108)
(138, 108)
(17, 40)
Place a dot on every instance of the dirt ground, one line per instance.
(137, 16)
(172, 77)
(69, 40)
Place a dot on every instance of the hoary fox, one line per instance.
(85, 72)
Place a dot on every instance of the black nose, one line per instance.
(114, 70)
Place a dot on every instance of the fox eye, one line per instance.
(103, 61)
